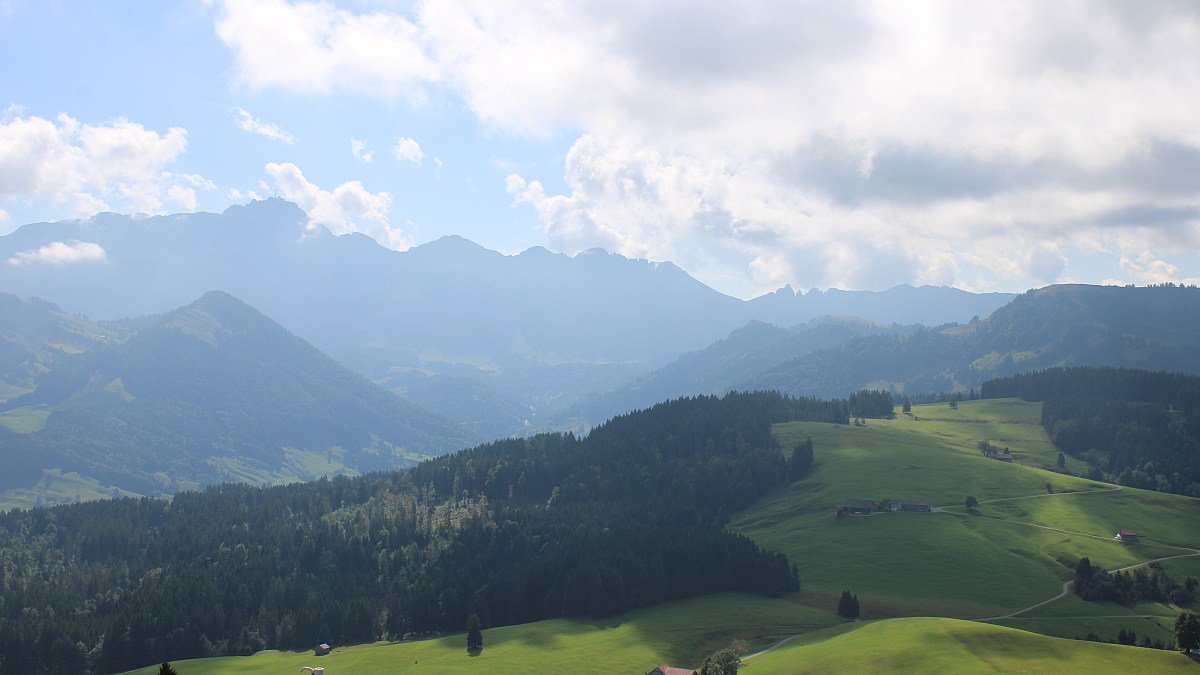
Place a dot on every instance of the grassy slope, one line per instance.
(57, 487)
(679, 633)
(986, 562)
(951, 646)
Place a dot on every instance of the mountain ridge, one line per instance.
(209, 392)
(456, 312)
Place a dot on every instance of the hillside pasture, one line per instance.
(678, 633)
(948, 646)
(1013, 550)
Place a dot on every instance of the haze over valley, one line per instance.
(452, 336)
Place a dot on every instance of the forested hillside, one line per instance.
(1133, 427)
(1155, 328)
(513, 531)
(212, 392)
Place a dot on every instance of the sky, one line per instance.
(994, 146)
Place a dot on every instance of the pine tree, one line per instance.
(167, 669)
(474, 633)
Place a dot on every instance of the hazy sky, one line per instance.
(990, 146)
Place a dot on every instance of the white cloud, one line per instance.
(250, 123)
(89, 167)
(237, 195)
(408, 150)
(313, 46)
(359, 150)
(349, 207)
(60, 253)
(876, 142)
(1146, 268)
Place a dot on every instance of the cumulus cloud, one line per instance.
(872, 142)
(327, 48)
(349, 207)
(408, 150)
(1147, 268)
(250, 123)
(60, 253)
(361, 153)
(90, 167)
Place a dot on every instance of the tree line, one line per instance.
(1133, 427)
(1094, 583)
(512, 531)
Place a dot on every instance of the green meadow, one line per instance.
(996, 562)
(25, 420)
(1015, 549)
(949, 646)
(57, 487)
(678, 633)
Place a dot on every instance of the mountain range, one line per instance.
(452, 343)
(498, 342)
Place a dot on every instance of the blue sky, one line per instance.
(989, 146)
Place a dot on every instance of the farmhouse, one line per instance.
(856, 507)
(668, 670)
(1002, 456)
(910, 505)
(1127, 536)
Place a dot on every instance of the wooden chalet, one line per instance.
(1127, 536)
(1002, 456)
(856, 507)
(323, 649)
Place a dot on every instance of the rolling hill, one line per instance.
(724, 365)
(1154, 328)
(1000, 565)
(211, 392)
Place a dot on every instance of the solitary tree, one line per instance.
(971, 502)
(802, 460)
(721, 662)
(1187, 631)
(474, 633)
(166, 669)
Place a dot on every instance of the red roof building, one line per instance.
(1128, 536)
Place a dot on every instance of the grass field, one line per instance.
(1002, 556)
(949, 646)
(679, 633)
(25, 420)
(1013, 550)
(57, 487)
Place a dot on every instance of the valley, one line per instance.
(995, 572)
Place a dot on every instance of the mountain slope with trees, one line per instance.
(454, 327)
(213, 392)
(724, 365)
(1133, 427)
(512, 531)
(1155, 328)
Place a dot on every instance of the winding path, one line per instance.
(1066, 587)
